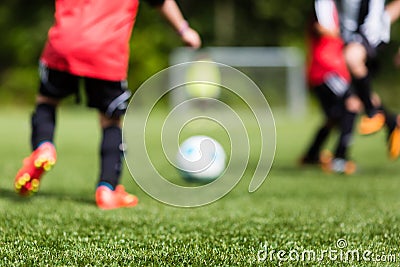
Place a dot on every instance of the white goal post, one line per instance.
(290, 58)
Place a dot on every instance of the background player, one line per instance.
(90, 40)
(329, 80)
(366, 28)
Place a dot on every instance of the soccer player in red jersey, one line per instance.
(89, 40)
(329, 80)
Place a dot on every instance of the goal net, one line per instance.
(277, 71)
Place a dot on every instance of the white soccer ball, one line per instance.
(201, 159)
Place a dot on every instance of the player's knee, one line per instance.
(376, 100)
(114, 111)
(42, 99)
(358, 69)
(117, 107)
(106, 121)
(355, 56)
(353, 104)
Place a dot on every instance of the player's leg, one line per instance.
(43, 120)
(54, 86)
(111, 150)
(345, 137)
(43, 155)
(356, 59)
(393, 10)
(109, 193)
(351, 106)
(324, 97)
(341, 163)
(356, 56)
(110, 98)
(393, 138)
(312, 156)
(392, 124)
(332, 96)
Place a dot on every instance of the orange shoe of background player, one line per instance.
(371, 125)
(338, 165)
(28, 177)
(394, 143)
(107, 199)
(325, 159)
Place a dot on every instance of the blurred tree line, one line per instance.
(24, 25)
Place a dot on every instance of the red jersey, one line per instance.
(326, 52)
(91, 38)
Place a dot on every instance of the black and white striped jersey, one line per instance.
(365, 19)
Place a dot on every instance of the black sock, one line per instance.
(362, 87)
(43, 124)
(346, 134)
(319, 139)
(111, 156)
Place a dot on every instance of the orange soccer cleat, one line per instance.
(394, 143)
(108, 199)
(325, 158)
(371, 125)
(338, 165)
(28, 177)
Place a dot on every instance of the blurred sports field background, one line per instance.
(24, 28)
(295, 209)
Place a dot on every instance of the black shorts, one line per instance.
(332, 95)
(109, 97)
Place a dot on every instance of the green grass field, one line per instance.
(295, 210)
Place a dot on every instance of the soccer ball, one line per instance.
(201, 159)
